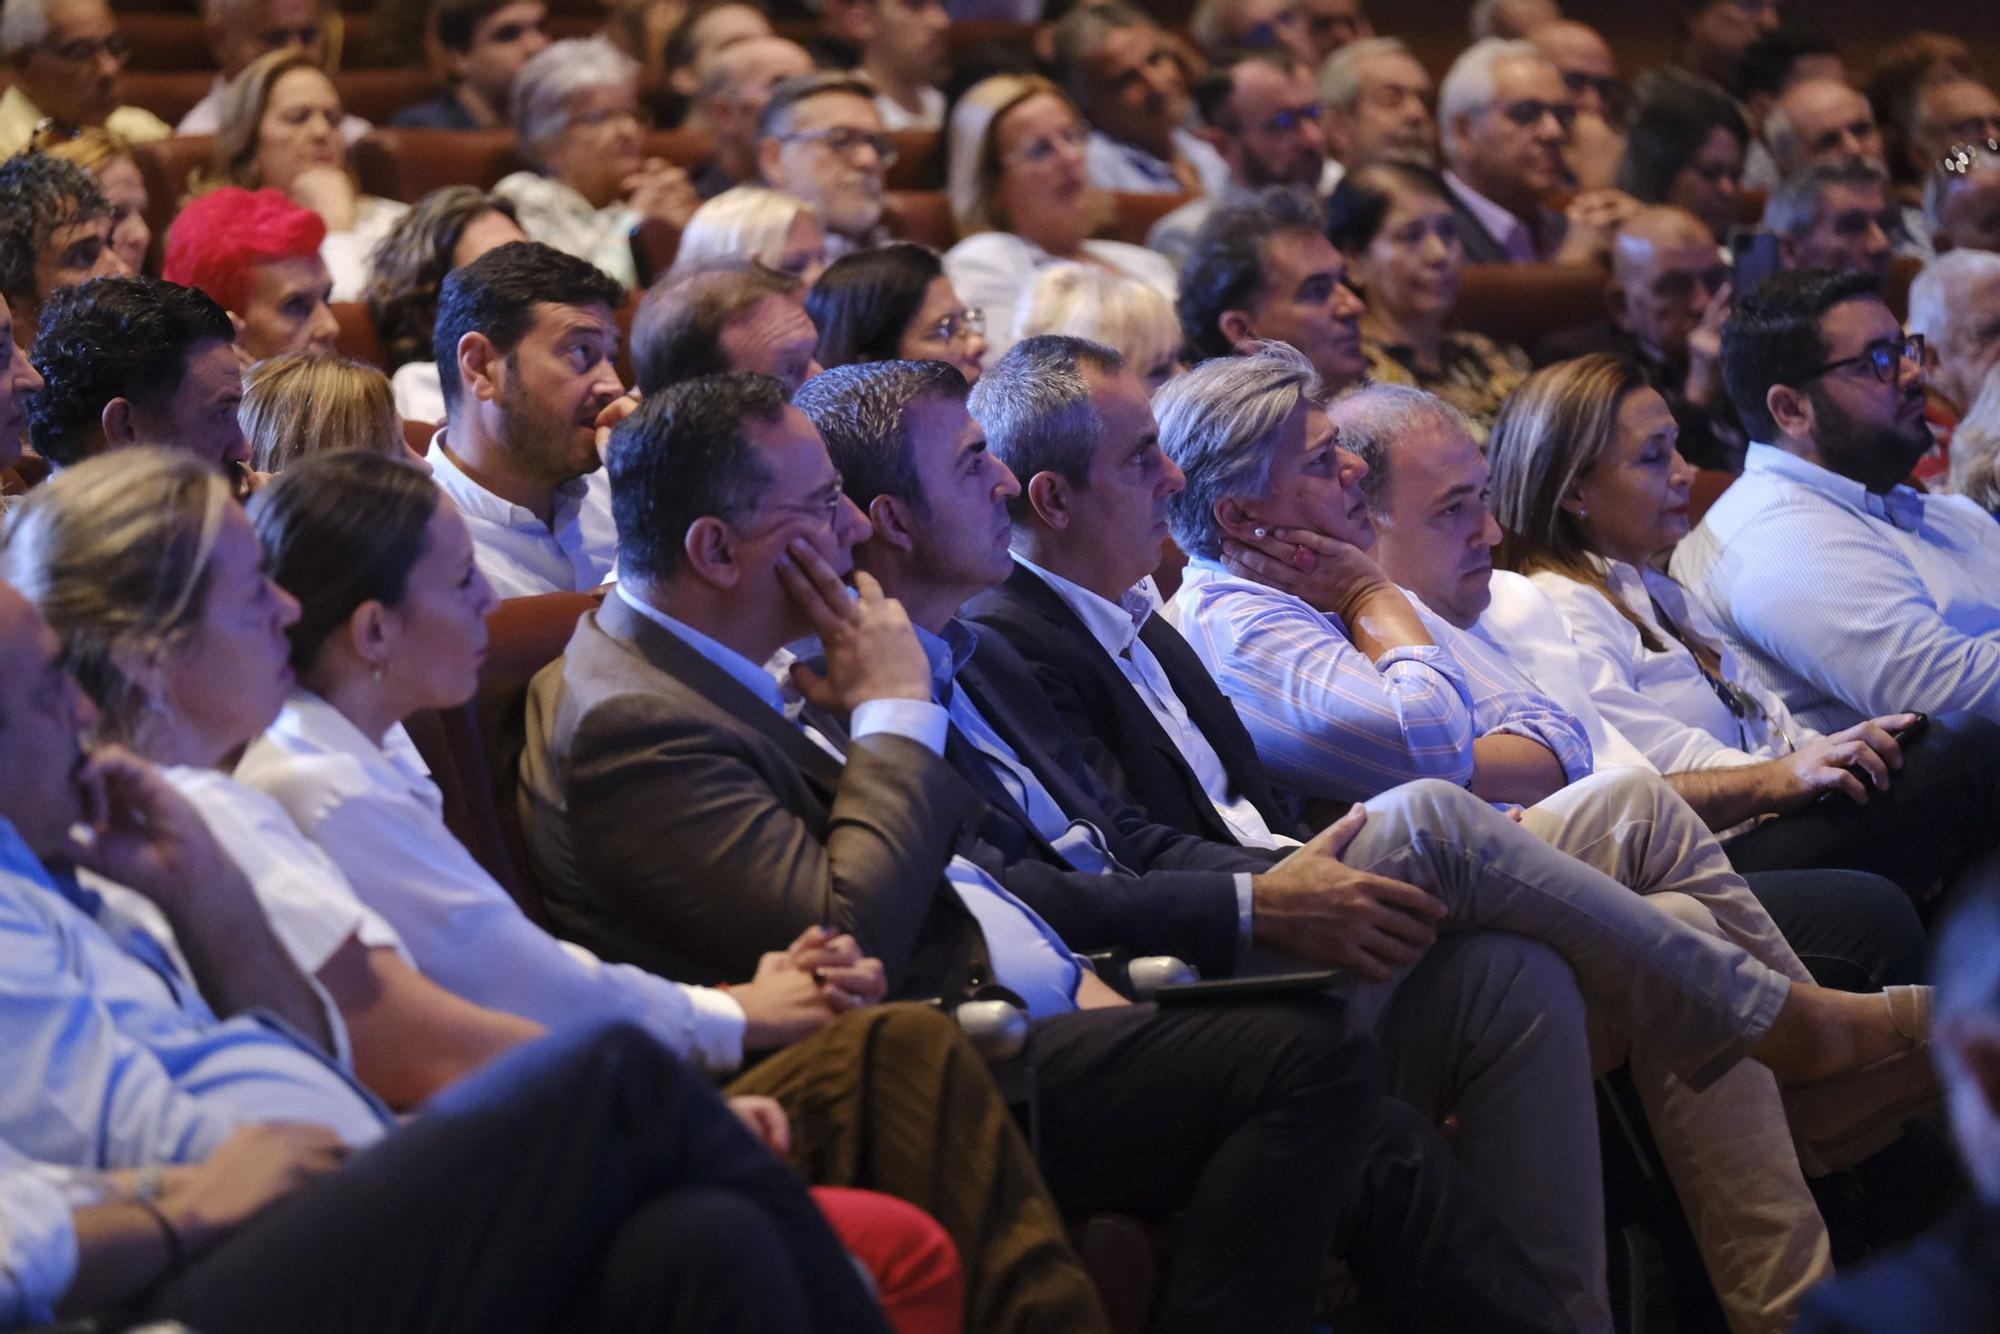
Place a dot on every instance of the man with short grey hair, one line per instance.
(1122, 72)
(1834, 216)
(821, 138)
(67, 57)
(1955, 305)
(1822, 122)
(1377, 99)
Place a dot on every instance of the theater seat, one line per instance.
(168, 94)
(1133, 215)
(358, 338)
(1903, 270)
(923, 216)
(167, 41)
(409, 164)
(377, 94)
(165, 166)
(1522, 303)
(919, 161)
(1709, 484)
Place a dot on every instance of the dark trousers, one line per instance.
(586, 1181)
(1263, 1127)
(1852, 930)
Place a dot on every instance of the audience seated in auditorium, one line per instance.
(1771, 67)
(1955, 306)
(1718, 34)
(55, 232)
(1506, 118)
(904, 55)
(576, 117)
(281, 131)
(257, 255)
(66, 57)
(1665, 304)
(1685, 149)
(1231, 25)
(1844, 592)
(1509, 20)
(108, 157)
(1265, 271)
(1396, 227)
(1332, 24)
(1962, 199)
(1130, 318)
(1376, 102)
(821, 138)
(1264, 118)
(1123, 74)
(750, 222)
(1590, 71)
(525, 341)
(736, 85)
(1021, 199)
(445, 230)
(137, 361)
(1835, 217)
(894, 303)
(726, 316)
(239, 31)
(484, 44)
(298, 404)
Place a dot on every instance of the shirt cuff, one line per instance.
(37, 1246)
(922, 721)
(718, 1022)
(1245, 919)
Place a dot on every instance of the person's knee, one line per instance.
(1429, 805)
(1686, 910)
(1506, 974)
(1308, 1046)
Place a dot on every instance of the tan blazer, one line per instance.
(675, 820)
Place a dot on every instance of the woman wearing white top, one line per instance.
(1021, 200)
(1592, 495)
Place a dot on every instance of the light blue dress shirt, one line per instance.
(1845, 603)
(112, 1059)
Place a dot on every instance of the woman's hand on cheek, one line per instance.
(1324, 572)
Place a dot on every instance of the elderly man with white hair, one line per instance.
(1507, 118)
(1955, 305)
(67, 57)
(241, 30)
(1376, 100)
(576, 114)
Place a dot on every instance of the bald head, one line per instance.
(1665, 270)
(1584, 59)
(1822, 123)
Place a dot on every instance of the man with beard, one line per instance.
(1263, 115)
(1378, 99)
(1122, 72)
(525, 342)
(1844, 591)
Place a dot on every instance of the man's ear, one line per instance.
(1788, 251)
(119, 423)
(770, 161)
(1791, 409)
(892, 521)
(1048, 493)
(1237, 327)
(710, 548)
(1616, 304)
(479, 368)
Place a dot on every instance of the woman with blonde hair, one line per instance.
(1021, 200)
(281, 120)
(778, 230)
(108, 157)
(301, 404)
(1085, 301)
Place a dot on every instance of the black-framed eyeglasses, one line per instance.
(1528, 112)
(1883, 360)
(83, 50)
(1284, 122)
(845, 141)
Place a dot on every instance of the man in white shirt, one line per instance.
(239, 31)
(904, 54)
(524, 344)
(1123, 74)
(1847, 593)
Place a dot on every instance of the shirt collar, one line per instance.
(1114, 625)
(310, 721)
(474, 499)
(947, 653)
(1499, 221)
(1901, 507)
(744, 672)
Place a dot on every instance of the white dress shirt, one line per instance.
(993, 272)
(929, 114)
(1130, 169)
(518, 553)
(1845, 603)
(419, 392)
(376, 813)
(346, 253)
(1115, 627)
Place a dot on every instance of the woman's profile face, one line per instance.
(300, 128)
(125, 189)
(944, 330)
(804, 252)
(432, 660)
(1410, 267)
(227, 680)
(1633, 503)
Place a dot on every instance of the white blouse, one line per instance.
(375, 811)
(993, 272)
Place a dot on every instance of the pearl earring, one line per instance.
(1261, 532)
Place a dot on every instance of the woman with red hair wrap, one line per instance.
(255, 253)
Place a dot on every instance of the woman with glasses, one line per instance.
(576, 116)
(1685, 148)
(894, 303)
(1399, 231)
(1591, 494)
(1021, 199)
(281, 129)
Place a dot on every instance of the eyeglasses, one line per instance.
(1284, 122)
(83, 50)
(1883, 359)
(1609, 89)
(846, 141)
(1045, 149)
(951, 328)
(1528, 113)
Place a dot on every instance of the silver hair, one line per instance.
(1034, 405)
(1218, 423)
(1794, 207)
(539, 105)
(1374, 417)
(1486, 19)
(1933, 311)
(23, 23)
(1469, 87)
(1340, 76)
(1209, 25)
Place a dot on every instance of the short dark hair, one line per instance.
(776, 117)
(38, 194)
(682, 456)
(678, 51)
(407, 268)
(1225, 267)
(1773, 335)
(1210, 93)
(457, 20)
(112, 338)
(339, 530)
(1357, 206)
(497, 293)
(864, 301)
(1768, 62)
(677, 331)
(1674, 115)
(862, 412)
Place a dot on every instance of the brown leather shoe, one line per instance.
(1842, 1119)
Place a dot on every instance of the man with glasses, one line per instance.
(1590, 72)
(1844, 591)
(1124, 75)
(1507, 120)
(67, 57)
(821, 138)
(239, 31)
(1264, 116)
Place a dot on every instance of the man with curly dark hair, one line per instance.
(55, 231)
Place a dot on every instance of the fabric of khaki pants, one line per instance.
(1683, 972)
